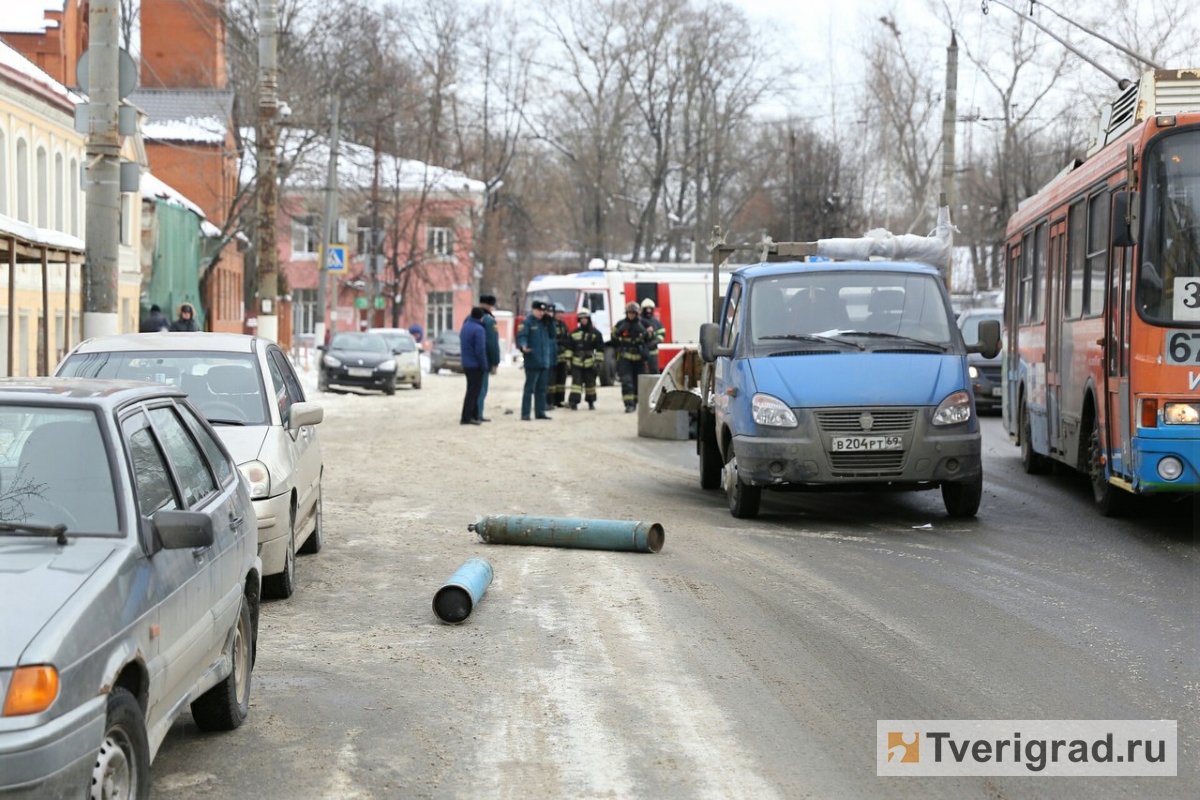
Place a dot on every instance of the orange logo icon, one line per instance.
(904, 748)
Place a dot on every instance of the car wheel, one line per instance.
(961, 498)
(225, 706)
(1110, 500)
(322, 384)
(282, 585)
(744, 499)
(316, 539)
(1032, 462)
(710, 454)
(122, 767)
(389, 388)
(416, 384)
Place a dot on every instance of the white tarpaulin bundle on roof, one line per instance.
(935, 249)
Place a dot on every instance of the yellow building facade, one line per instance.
(42, 221)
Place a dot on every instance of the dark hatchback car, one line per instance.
(358, 359)
(446, 353)
(984, 372)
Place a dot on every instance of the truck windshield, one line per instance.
(1169, 272)
(875, 305)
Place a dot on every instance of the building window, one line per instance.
(73, 193)
(439, 241)
(59, 192)
(439, 312)
(3, 174)
(362, 236)
(304, 310)
(306, 235)
(126, 225)
(43, 189)
(22, 181)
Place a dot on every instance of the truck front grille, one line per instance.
(867, 422)
(881, 421)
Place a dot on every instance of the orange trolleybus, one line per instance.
(1102, 302)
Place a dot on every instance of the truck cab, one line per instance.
(845, 375)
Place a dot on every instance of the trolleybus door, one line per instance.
(1116, 327)
(1054, 333)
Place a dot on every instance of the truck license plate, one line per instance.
(360, 372)
(849, 444)
(996, 391)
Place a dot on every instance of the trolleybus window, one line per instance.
(1169, 272)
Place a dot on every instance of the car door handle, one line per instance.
(236, 522)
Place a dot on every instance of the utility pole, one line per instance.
(267, 185)
(791, 185)
(327, 229)
(376, 261)
(103, 217)
(949, 116)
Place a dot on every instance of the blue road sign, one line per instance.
(336, 262)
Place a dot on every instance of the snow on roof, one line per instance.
(28, 16)
(356, 167)
(18, 63)
(152, 187)
(207, 130)
(32, 233)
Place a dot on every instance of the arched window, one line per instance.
(22, 180)
(59, 192)
(73, 193)
(3, 174)
(43, 189)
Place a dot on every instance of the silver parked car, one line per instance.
(407, 353)
(129, 578)
(246, 387)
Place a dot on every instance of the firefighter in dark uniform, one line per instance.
(586, 346)
(558, 376)
(658, 334)
(630, 337)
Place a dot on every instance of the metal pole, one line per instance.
(267, 180)
(12, 302)
(949, 115)
(376, 234)
(103, 218)
(44, 333)
(331, 206)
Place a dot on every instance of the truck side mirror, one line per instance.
(710, 350)
(989, 339)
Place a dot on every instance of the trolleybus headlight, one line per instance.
(1181, 414)
(1170, 468)
(772, 411)
(954, 410)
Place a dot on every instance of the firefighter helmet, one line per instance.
(647, 303)
(631, 307)
(584, 314)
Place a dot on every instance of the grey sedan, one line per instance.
(130, 580)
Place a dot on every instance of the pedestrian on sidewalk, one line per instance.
(536, 342)
(155, 322)
(186, 320)
(473, 340)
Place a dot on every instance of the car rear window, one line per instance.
(225, 387)
(54, 469)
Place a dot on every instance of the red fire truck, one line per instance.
(682, 295)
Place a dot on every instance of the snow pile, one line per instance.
(18, 63)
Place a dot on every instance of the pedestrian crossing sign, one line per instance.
(336, 261)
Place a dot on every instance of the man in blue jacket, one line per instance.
(536, 341)
(488, 303)
(473, 340)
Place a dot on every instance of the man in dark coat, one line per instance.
(587, 350)
(155, 322)
(488, 303)
(187, 319)
(562, 366)
(630, 337)
(657, 334)
(536, 341)
(473, 340)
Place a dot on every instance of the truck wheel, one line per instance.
(962, 497)
(1032, 462)
(743, 498)
(710, 454)
(1110, 500)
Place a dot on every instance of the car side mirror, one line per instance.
(989, 339)
(321, 348)
(305, 414)
(179, 529)
(710, 350)
(1126, 218)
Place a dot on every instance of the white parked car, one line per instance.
(246, 388)
(407, 352)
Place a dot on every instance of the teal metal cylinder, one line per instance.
(455, 601)
(587, 534)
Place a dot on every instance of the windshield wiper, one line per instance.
(879, 334)
(814, 337)
(224, 421)
(58, 531)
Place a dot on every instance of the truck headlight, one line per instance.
(330, 361)
(1181, 414)
(258, 477)
(973, 371)
(954, 410)
(772, 412)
